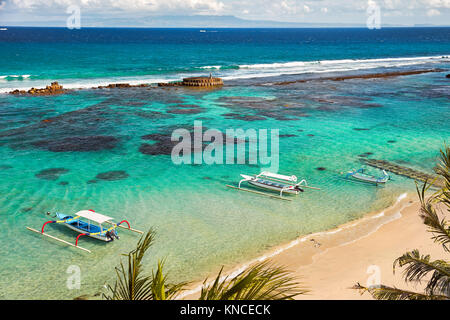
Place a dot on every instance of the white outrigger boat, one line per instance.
(279, 183)
(359, 175)
(87, 223)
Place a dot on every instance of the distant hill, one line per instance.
(205, 21)
(193, 21)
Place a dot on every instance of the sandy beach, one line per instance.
(329, 263)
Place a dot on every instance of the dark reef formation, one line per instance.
(163, 144)
(112, 175)
(287, 135)
(185, 111)
(243, 117)
(80, 144)
(51, 174)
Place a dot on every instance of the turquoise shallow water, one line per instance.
(200, 223)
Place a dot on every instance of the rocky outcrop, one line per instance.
(122, 85)
(170, 84)
(54, 88)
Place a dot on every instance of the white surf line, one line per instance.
(243, 72)
(291, 244)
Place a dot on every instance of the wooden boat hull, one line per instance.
(360, 176)
(271, 187)
(95, 236)
(74, 227)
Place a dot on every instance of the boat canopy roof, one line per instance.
(94, 216)
(278, 176)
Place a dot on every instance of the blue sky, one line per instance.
(100, 12)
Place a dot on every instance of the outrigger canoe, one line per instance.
(281, 184)
(363, 177)
(87, 223)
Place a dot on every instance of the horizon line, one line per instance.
(273, 27)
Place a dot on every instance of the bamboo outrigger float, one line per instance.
(274, 182)
(87, 223)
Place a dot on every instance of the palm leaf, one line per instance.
(259, 282)
(437, 226)
(161, 290)
(419, 266)
(130, 284)
(391, 293)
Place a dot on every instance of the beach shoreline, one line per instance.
(318, 260)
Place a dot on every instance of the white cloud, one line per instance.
(406, 12)
(436, 3)
(210, 6)
(433, 12)
(415, 4)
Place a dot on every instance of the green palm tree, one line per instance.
(418, 267)
(262, 281)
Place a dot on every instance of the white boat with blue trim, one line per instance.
(87, 223)
(360, 175)
(279, 183)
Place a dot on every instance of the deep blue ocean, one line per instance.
(107, 149)
(85, 57)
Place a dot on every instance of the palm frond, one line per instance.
(130, 284)
(259, 282)
(391, 293)
(161, 290)
(443, 170)
(439, 227)
(443, 167)
(419, 266)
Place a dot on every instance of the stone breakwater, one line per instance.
(195, 82)
(404, 171)
(122, 85)
(364, 76)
